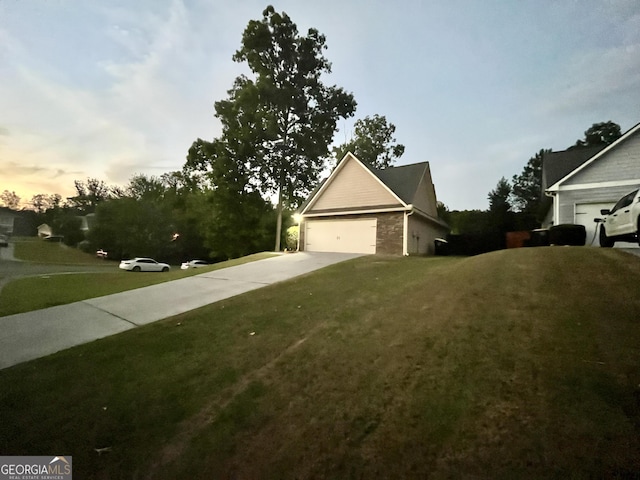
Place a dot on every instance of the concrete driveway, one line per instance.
(36, 334)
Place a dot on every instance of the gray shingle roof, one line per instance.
(557, 165)
(403, 180)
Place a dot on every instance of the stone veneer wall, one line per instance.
(390, 231)
(301, 229)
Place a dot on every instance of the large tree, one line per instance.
(499, 198)
(526, 189)
(280, 123)
(128, 227)
(89, 195)
(10, 199)
(373, 142)
(603, 133)
(227, 208)
(42, 202)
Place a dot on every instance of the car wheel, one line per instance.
(605, 241)
(165, 269)
(136, 269)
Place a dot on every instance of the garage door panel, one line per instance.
(584, 215)
(343, 236)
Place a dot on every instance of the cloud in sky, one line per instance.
(108, 90)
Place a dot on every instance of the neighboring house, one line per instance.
(581, 182)
(44, 230)
(86, 222)
(7, 219)
(17, 222)
(361, 210)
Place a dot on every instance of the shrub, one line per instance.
(292, 237)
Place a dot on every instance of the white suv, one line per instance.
(622, 222)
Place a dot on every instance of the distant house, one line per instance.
(7, 220)
(86, 222)
(581, 182)
(358, 209)
(44, 231)
(17, 222)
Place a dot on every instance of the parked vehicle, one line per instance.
(3, 241)
(194, 264)
(102, 254)
(622, 222)
(141, 264)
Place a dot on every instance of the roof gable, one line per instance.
(413, 184)
(352, 186)
(595, 157)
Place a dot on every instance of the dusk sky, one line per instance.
(108, 89)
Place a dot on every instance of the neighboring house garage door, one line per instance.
(344, 236)
(584, 215)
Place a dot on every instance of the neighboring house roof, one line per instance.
(557, 165)
(6, 212)
(554, 186)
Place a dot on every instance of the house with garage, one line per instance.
(358, 209)
(583, 181)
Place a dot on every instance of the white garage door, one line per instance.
(344, 236)
(584, 215)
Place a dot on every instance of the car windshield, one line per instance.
(625, 201)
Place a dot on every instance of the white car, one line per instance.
(194, 264)
(622, 222)
(140, 264)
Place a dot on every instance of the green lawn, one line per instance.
(38, 251)
(515, 364)
(18, 296)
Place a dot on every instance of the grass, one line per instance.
(515, 364)
(18, 296)
(38, 251)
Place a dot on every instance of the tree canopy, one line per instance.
(499, 197)
(603, 133)
(277, 125)
(10, 199)
(90, 194)
(526, 188)
(373, 142)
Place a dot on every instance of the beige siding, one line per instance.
(353, 187)
(421, 235)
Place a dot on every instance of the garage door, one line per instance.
(584, 215)
(344, 236)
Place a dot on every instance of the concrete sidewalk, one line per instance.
(36, 334)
